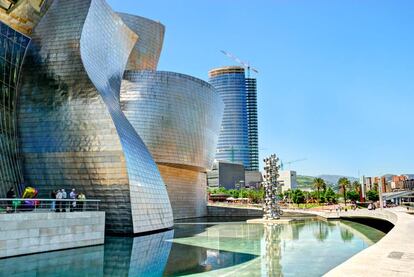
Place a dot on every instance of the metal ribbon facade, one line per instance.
(178, 117)
(147, 50)
(73, 132)
(13, 46)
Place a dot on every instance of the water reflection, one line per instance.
(271, 253)
(321, 230)
(140, 256)
(310, 248)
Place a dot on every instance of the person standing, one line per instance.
(64, 197)
(59, 196)
(81, 200)
(53, 204)
(72, 196)
(10, 194)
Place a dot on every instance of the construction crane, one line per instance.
(291, 162)
(244, 64)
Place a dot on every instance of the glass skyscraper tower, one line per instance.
(252, 124)
(238, 140)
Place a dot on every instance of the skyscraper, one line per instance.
(252, 125)
(238, 140)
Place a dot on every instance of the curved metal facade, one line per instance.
(13, 47)
(178, 117)
(147, 50)
(233, 143)
(73, 132)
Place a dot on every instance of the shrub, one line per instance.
(352, 195)
(330, 195)
(298, 196)
(372, 195)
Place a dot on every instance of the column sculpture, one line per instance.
(271, 209)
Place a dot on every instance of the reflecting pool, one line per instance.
(309, 247)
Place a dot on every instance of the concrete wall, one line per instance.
(26, 233)
(226, 211)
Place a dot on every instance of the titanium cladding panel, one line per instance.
(12, 53)
(177, 116)
(73, 133)
(233, 143)
(147, 50)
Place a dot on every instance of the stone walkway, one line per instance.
(393, 255)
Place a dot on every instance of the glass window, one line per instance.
(4, 29)
(9, 50)
(7, 73)
(2, 46)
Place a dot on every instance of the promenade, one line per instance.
(393, 255)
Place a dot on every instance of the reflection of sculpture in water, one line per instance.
(271, 255)
(271, 209)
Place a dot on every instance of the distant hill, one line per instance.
(305, 182)
(333, 179)
(410, 176)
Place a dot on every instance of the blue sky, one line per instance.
(336, 80)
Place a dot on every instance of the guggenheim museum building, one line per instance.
(83, 106)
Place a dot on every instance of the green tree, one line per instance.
(319, 184)
(298, 196)
(356, 186)
(330, 195)
(372, 195)
(352, 195)
(344, 184)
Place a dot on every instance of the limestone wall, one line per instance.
(236, 212)
(26, 233)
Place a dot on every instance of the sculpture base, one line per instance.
(271, 221)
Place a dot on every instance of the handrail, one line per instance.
(13, 205)
(50, 199)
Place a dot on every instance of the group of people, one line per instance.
(76, 204)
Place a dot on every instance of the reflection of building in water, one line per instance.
(139, 256)
(121, 256)
(200, 248)
(271, 253)
(87, 261)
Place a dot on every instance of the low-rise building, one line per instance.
(227, 175)
(253, 179)
(287, 178)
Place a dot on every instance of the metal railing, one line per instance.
(15, 205)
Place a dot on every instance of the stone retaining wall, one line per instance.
(233, 212)
(27, 233)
